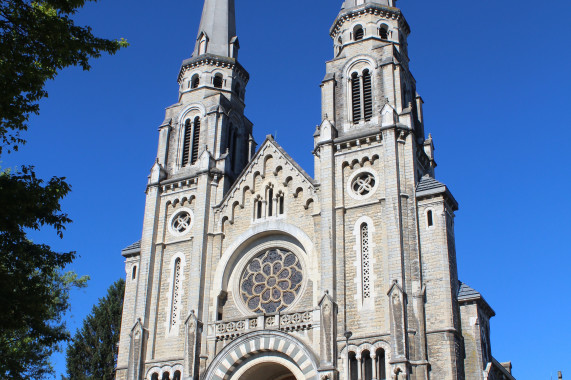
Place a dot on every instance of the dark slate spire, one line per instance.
(217, 32)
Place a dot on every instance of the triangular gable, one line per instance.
(257, 167)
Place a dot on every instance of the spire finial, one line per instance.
(217, 32)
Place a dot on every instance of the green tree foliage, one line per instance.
(34, 290)
(37, 39)
(92, 354)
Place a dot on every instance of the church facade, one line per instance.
(249, 268)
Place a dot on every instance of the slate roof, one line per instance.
(429, 183)
(430, 186)
(466, 293)
(132, 249)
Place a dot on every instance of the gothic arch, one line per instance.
(248, 346)
(234, 253)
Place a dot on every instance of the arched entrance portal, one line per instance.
(264, 355)
(268, 368)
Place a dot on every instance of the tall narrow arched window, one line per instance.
(166, 376)
(134, 273)
(270, 201)
(237, 88)
(365, 261)
(353, 366)
(380, 365)
(367, 96)
(384, 32)
(281, 205)
(367, 363)
(258, 209)
(195, 81)
(155, 376)
(356, 97)
(186, 142)
(218, 81)
(429, 219)
(358, 33)
(195, 140)
(176, 375)
(175, 295)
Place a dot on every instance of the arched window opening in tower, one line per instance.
(134, 273)
(186, 142)
(384, 32)
(367, 95)
(429, 218)
(281, 205)
(365, 261)
(353, 366)
(195, 140)
(358, 33)
(380, 366)
(259, 209)
(367, 363)
(237, 88)
(218, 81)
(195, 81)
(155, 376)
(176, 376)
(166, 376)
(270, 201)
(356, 97)
(175, 293)
(234, 152)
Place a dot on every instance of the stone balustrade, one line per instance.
(228, 330)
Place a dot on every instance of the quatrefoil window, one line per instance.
(363, 184)
(271, 281)
(181, 222)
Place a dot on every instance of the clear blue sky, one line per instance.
(495, 77)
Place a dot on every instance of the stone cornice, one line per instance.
(369, 8)
(212, 60)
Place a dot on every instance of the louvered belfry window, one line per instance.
(362, 96)
(356, 97)
(195, 140)
(367, 95)
(186, 142)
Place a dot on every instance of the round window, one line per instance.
(271, 281)
(181, 222)
(363, 184)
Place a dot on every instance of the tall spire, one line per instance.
(217, 32)
(355, 3)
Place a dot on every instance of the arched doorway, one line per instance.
(268, 371)
(268, 367)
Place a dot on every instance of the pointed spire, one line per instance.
(217, 32)
(355, 3)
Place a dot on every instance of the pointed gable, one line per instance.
(271, 162)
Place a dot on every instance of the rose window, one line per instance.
(364, 184)
(271, 281)
(181, 222)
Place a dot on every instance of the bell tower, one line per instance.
(209, 116)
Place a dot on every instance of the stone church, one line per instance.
(249, 268)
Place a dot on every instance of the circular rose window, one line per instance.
(364, 183)
(181, 223)
(271, 281)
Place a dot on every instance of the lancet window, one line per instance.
(175, 295)
(362, 96)
(365, 261)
